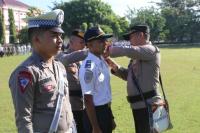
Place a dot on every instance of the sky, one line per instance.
(120, 7)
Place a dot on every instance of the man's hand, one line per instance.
(112, 64)
(106, 51)
(72, 69)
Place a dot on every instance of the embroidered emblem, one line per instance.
(60, 18)
(101, 77)
(48, 88)
(24, 78)
(88, 76)
(88, 64)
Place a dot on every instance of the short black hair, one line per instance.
(35, 31)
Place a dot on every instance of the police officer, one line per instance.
(39, 85)
(76, 43)
(95, 83)
(145, 65)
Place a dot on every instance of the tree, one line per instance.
(182, 19)
(33, 11)
(13, 36)
(23, 35)
(107, 29)
(2, 28)
(152, 18)
(84, 26)
(91, 12)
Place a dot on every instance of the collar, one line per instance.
(95, 58)
(39, 60)
(37, 57)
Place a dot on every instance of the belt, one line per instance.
(68, 131)
(102, 106)
(137, 98)
(75, 93)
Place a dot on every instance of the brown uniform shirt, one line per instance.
(34, 91)
(145, 63)
(71, 61)
(76, 98)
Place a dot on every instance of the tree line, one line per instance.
(12, 27)
(173, 20)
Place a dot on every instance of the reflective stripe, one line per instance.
(54, 123)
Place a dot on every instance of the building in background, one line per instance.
(19, 11)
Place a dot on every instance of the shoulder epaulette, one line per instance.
(157, 49)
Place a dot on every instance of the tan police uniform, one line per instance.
(145, 62)
(144, 68)
(75, 93)
(34, 90)
(71, 57)
(34, 86)
(72, 61)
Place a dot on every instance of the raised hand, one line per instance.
(112, 64)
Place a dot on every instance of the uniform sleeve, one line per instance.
(145, 52)
(87, 80)
(21, 86)
(73, 57)
(121, 73)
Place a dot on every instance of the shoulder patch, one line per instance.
(24, 79)
(88, 64)
(88, 76)
(157, 49)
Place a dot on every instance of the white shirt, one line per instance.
(1, 49)
(94, 77)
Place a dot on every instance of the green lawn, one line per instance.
(180, 70)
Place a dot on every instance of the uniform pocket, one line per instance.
(47, 96)
(48, 87)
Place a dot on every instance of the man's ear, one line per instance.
(36, 39)
(141, 34)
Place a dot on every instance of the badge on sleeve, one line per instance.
(88, 64)
(101, 77)
(88, 76)
(24, 78)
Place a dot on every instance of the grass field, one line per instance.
(180, 70)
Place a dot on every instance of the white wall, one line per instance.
(19, 14)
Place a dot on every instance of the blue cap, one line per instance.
(95, 33)
(51, 20)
